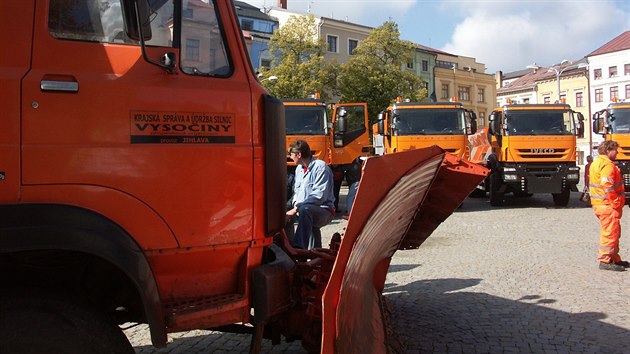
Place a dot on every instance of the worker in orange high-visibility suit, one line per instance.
(607, 200)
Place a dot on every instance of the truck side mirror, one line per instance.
(473, 123)
(380, 124)
(136, 13)
(341, 120)
(598, 123)
(493, 123)
(580, 127)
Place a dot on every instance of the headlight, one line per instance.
(510, 177)
(573, 176)
(509, 169)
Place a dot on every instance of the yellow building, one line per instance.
(465, 78)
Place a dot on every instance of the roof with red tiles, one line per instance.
(621, 42)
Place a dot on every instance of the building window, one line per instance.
(247, 25)
(599, 95)
(463, 94)
(627, 92)
(547, 100)
(526, 100)
(579, 99)
(597, 74)
(614, 92)
(445, 91)
(187, 13)
(626, 69)
(425, 65)
(332, 43)
(481, 95)
(481, 121)
(192, 49)
(352, 45)
(445, 64)
(410, 65)
(563, 98)
(265, 63)
(612, 71)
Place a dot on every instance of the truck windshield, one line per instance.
(620, 120)
(305, 120)
(430, 121)
(540, 122)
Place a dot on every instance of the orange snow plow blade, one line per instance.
(402, 198)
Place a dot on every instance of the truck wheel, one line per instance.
(36, 324)
(496, 197)
(562, 198)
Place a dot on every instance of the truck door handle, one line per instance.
(59, 84)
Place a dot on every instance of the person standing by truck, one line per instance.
(313, 197)
(607, 200)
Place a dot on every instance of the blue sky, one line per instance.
(504, 35)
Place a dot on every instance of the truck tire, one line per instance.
(37, 324)
(496, 196)
(562, 198)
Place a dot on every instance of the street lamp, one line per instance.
(562, 67)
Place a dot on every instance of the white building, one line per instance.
(609, 74)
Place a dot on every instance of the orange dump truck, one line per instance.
(613, 123)
(143, 180)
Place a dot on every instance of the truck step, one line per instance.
(181, 312)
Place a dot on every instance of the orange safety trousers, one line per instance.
(609, 218)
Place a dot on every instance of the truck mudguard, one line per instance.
(32, 227)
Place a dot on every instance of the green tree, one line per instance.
(299, 62)
(374, 74)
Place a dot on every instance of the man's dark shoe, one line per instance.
(624, 264)
(611, 266)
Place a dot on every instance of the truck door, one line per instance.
(350, 138)
(112, 128)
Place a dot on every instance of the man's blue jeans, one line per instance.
(310, 218)
(352, 192)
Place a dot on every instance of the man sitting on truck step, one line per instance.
(313, 196)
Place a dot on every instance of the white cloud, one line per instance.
(509, 35)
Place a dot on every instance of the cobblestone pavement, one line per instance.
(517, 279)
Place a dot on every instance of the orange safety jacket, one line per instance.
(605, 183)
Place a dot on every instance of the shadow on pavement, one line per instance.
(511, 202)
(437, 316)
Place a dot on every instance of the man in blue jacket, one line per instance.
(313, 196)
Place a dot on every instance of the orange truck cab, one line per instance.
(531, 148)
(308, 119)
(613, 123)
(413, 125)
(143, 180)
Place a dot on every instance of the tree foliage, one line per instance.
(298, 61)
(374, 72)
